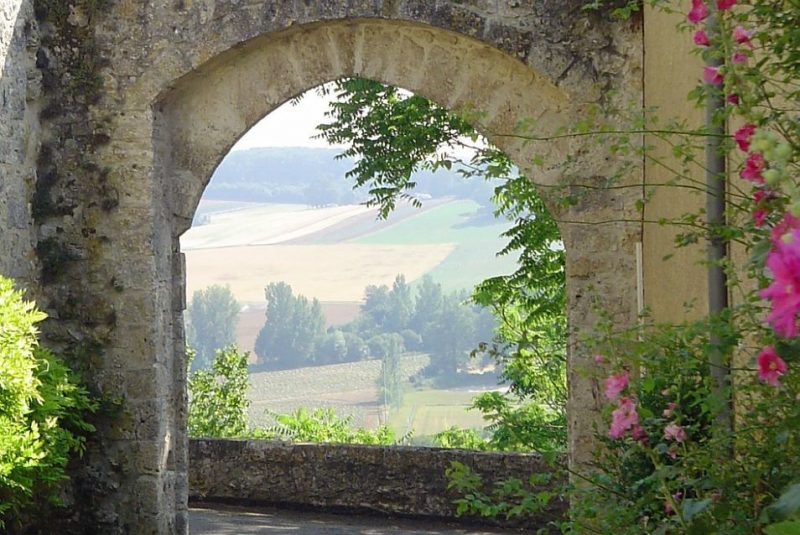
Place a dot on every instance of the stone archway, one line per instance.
(183, 81)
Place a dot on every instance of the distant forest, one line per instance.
(315, 176)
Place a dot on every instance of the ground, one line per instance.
(204, 520)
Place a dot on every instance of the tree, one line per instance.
(213, 314)
(392, 136)
(451, 337)
(218, 397)
(389, 347)
(401, 305)
(292, 326)
(428, 305)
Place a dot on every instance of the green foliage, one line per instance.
(324, 426)
(393, 134)
(218, 397)
(461, 439)
(292, 327)
(399, 134)
(42, 411)
(513, 498)
(213, 314)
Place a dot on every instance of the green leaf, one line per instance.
(790, 527)
(692, 507)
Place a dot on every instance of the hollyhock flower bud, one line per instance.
(698, 13)
(701, 38)
(669, 410)
(770, 366)
(713, 76)
(738, 58)
(733, 99)
(598, 359)
(725, 5)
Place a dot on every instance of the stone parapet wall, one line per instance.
(19, 86)
(407, 481)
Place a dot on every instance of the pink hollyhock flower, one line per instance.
(623, 418)
(788, 224)
(698, 13)
(598, 359)
(784, 292)
(725, 5)
(701, 38)
(713, 76)
(753, 167)
(744, 136)
(669, 410)
(760, 217)
(675, 432)
(733, 99)
(738, 58)
(639, 434)
(615, 385)
(760, 214)
(770, 366)
(743, 37)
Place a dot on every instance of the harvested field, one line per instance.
(327, 272)
(348, 388)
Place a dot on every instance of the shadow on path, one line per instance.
(223, 520)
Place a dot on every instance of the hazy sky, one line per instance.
(295, 125)
(289, 126)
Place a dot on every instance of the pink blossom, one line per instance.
(701, 38)
(675, 432)
(623, 418)
(744, 136)
(598, 359)
(743, 37)
(759, 199)
(753, 167)
(713, 76)
(668, 505)
(760, 217)
(638, 433)
(671, 406)
(615, 385)
(784, 292)
(725, 5)
(733, 99)
(770, 366)
(788, 224)
(698, 13)
(738, 58)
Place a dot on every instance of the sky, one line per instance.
(289, 125)
(294, 125)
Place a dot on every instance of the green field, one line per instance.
(474, 258)
(427, 412)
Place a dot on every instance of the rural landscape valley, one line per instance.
(332, 252)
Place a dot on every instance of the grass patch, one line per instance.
(428, 412)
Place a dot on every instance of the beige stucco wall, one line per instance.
(670, 73)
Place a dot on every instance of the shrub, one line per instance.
(218, 397)
(42, 410)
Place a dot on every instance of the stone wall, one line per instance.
(142, 98)
(19, 87)
(404, 481)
